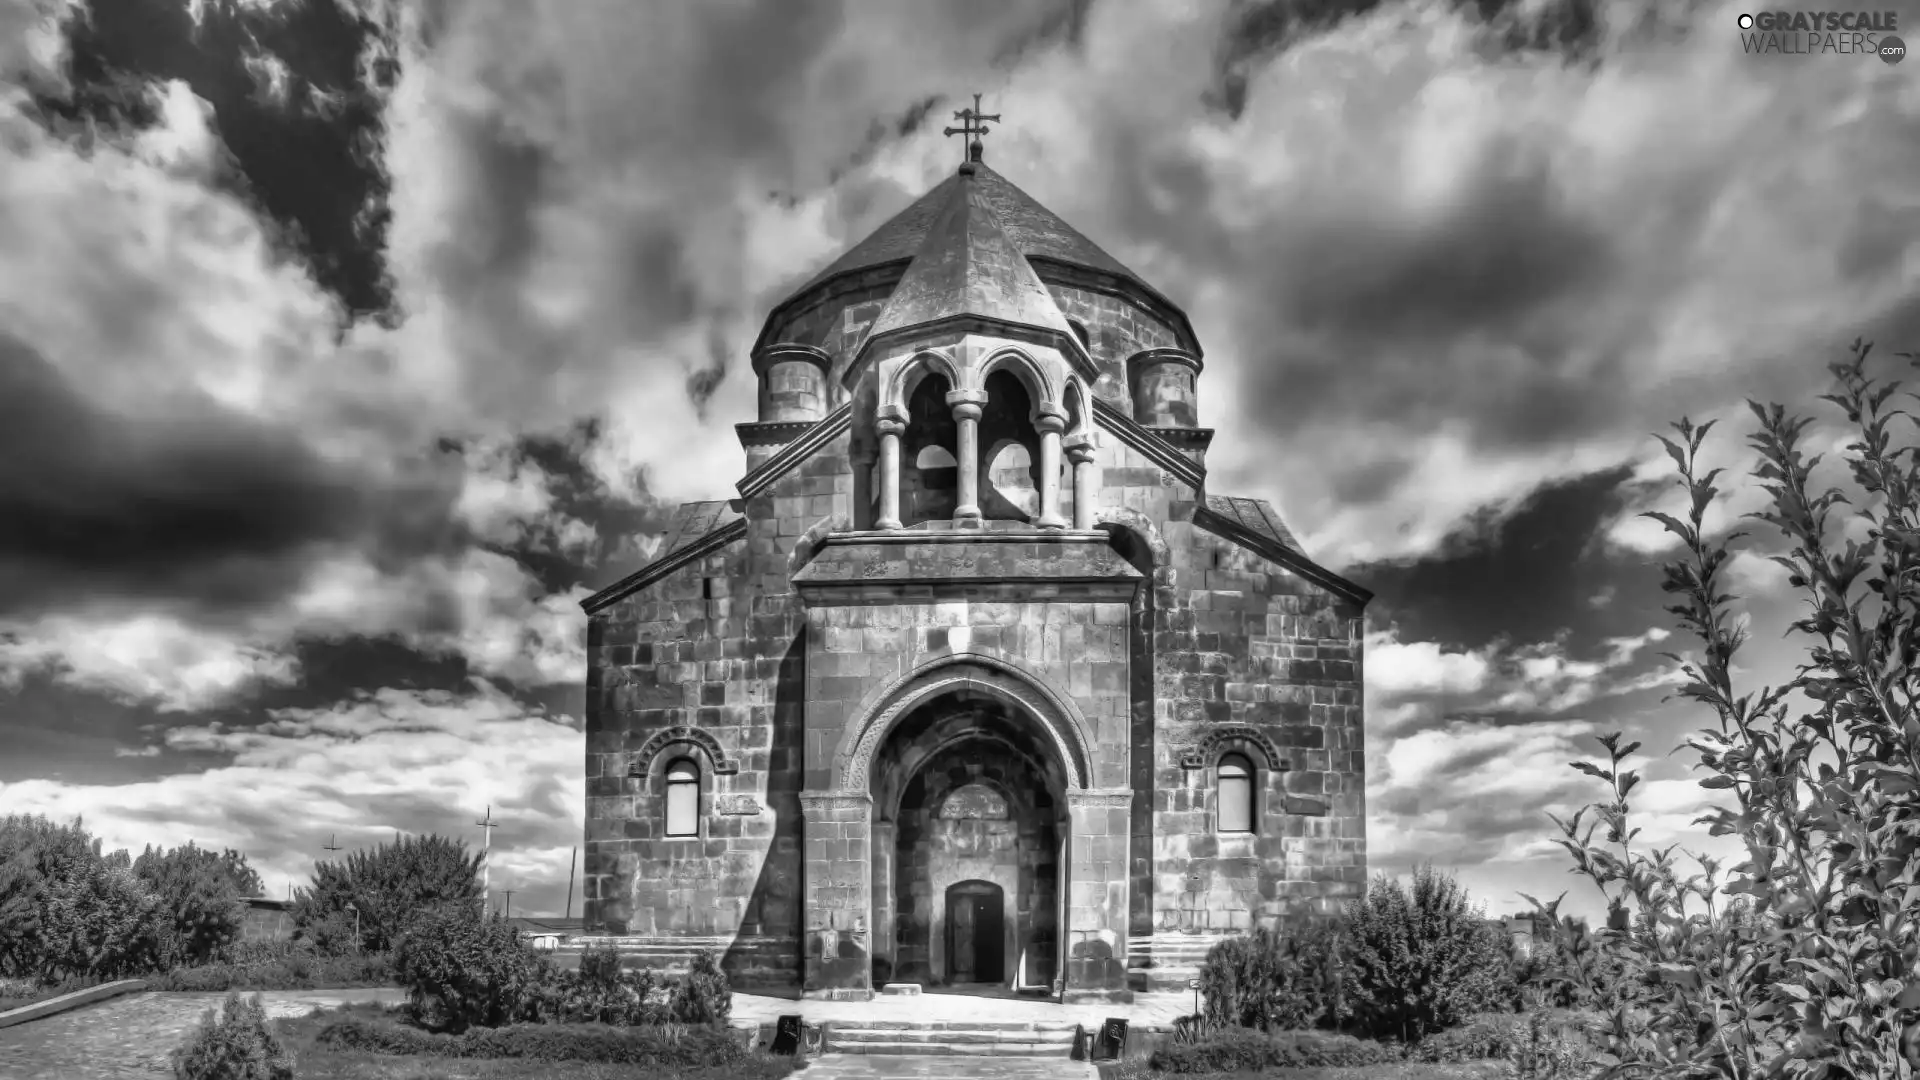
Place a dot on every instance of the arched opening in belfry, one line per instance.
(1009, 451)
(969, 812)
(929, 474)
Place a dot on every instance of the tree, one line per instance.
(202, 893)
(390, 885)
(67, 909)
(1420, 961)
(1818, 975)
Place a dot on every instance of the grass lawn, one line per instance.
(311, 1062)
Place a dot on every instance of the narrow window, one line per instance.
(1236, 794)
(683, 798)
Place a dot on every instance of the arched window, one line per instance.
(683, 798)
(1235, 792)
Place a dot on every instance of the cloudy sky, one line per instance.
(343, 349)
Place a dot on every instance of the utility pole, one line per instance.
(487, 824)
(571, 862)
(330, 845)
(509, 912)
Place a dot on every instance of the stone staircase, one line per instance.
(970, 1038)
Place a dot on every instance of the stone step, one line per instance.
(978, 1050)
(955, 1036)
(1004, 1027)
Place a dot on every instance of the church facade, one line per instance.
(973, 680)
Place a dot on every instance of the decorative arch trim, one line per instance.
(1143, 526)
(907, 375)
(1221, 740)
(1046, 398)
(1061, 720)
(642, 762)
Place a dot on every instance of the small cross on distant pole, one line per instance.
(972, 125)
(330, 845)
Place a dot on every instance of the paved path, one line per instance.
(890, 1067)
(130, 1037)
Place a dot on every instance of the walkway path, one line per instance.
(131, 1037)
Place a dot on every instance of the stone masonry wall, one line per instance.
(1116, 329)
(716, 647)
(1237, 643)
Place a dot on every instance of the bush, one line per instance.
(237, 1045)
(702, 997)
(390, 885)
(600, 992)
(1232, 1049)
(286, 967)
(1422, 961)
(1264, 981)
(665, 1046)
(462, 969)
(1484, 1038)
(200, 895)
(1818, 977)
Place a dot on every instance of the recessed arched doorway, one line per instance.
(970, 818)
(976, 933)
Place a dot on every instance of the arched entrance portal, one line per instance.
(969, 818)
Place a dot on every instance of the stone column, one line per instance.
(1050, 427)
(863, 509)
(890, 431)
(837, 894)
(1097, 886)
(967, 407)
(1080, 453)
(885, 836)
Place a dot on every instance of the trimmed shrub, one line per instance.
(1421, 961)
(600, 992)
(1264, 981)
(461, 970)
(291, 969)
(1232, 1049)
(664, 1046)
(238, 1044)
(702, 997)
(1485, 1038)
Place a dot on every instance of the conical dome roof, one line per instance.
(1034, 231)
(967, 265)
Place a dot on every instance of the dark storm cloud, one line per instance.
(1523, 575)
(307, 156)
(189, 501)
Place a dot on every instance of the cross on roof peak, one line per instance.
(972, 125)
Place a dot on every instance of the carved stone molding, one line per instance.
(1207, 748)
(641, 763)
(736, 805)
(817, 803)
(968, 671)
(1100, 799)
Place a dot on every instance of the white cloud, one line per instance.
(148, 658)
(414, 761)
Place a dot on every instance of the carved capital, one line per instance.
(967, 404)
(1049, 423)
(1079, 448)
(888, 425)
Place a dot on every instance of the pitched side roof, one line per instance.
(1253, 524)
(695, 529)
(967, 265)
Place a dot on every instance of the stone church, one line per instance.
(972, 681)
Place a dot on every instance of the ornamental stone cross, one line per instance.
(972, 125)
